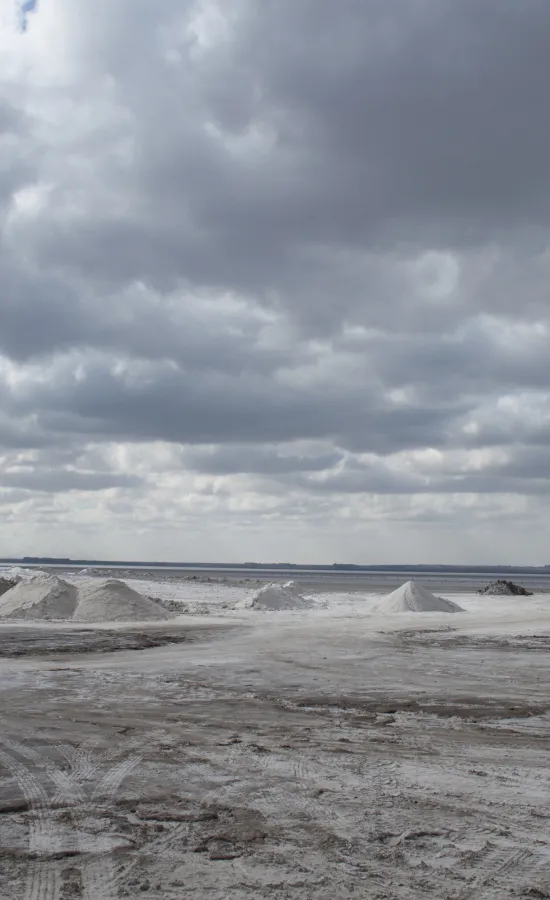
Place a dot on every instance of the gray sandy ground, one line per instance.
(233, 765)
(41, 642)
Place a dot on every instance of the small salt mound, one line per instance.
(503, 588)
(412, 597)
(42, 597)
(114, 601)
(276, 596)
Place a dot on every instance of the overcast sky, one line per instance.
(275, 280)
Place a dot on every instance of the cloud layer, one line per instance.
(273, 280)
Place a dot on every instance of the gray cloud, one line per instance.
(256, 460)
(149, 402)
(418, 124)
(244, 248)
(54, 481)
(378, 479)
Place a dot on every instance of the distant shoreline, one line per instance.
(335, 568)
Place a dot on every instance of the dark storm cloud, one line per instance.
(167, 403)
(479, 358)
(22, 433)
(435, 110)
(39, 313)
(420, 122)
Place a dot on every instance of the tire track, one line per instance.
(98, 879)
(164, 843)
(42, 880)
(504, 864)
(68, 790)
(97, 867)
(112, 780)
(303, 783)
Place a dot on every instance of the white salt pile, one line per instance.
(114, 601)
(41, 597)
(276, 596)
(412, 597)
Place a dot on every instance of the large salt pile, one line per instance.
(276, 596)
(412, 597)
(42, 597)
(114, 601)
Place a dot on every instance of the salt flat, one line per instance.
(324, 753)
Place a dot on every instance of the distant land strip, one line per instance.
(334, 567)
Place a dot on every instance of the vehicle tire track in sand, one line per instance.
(42, 881)
(112, 780)
(99, 872)
(33, 792)
(164, 843)
(311, 789)
(68, 790)
(98, 879)
(504, 863)
(97, 868)
(80, 760)
(84, 765)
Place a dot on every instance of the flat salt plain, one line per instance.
(324, 753)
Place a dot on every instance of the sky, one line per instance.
(274, 280)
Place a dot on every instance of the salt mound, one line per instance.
(6, 584)
(16, 573)
(277, 596)
(114, 601)
(41, 597)
(503, 588)
(412, 597)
